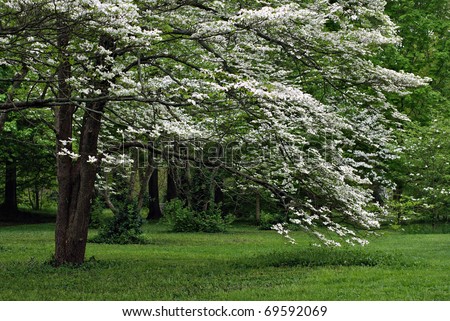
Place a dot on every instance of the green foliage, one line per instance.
(179, 217)
(184, 219)
(267, 220)
(123, 228)
(405, 209)
(425, 48)
(29, 144)
(423, 173)
(96, 219)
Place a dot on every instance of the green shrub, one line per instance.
(267, 220)
(96, 219)
(123, 228)
(184, 219)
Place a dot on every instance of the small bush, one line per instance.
(96, 218)
(183, 219)
(267, 220)
(123, 228)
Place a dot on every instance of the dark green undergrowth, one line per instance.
(243, 264)
(443, 228)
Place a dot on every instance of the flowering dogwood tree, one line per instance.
(290, 82)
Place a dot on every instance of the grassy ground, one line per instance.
(244, 264)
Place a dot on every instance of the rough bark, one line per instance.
(76, 190)
(75, 178)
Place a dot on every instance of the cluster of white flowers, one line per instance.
(66, 152)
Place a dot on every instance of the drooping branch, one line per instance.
(55, 102)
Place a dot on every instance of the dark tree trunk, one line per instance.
(34, 198)
(218, 195)
(3, 119)
(171, 184)
(258, 208)
(144, 177)
(398, 193)
(76, 191)
(185, 187)
(75, 178)
(9, 207)
(154, 210)
(377, 194)
(37, 200)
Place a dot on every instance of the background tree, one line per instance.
(421, 174)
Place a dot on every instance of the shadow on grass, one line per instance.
(24, 217)
(323, 257)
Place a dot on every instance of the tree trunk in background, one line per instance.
(154, 210)
(9, 207)
(3, 118)
(377, 193)
(258, 208)
(171, 183)
(37, 201)
(185, 188)
(144, 177)
(218, 194)
(398, 192)
(134, 174)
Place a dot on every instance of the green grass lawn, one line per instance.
(244, 264)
